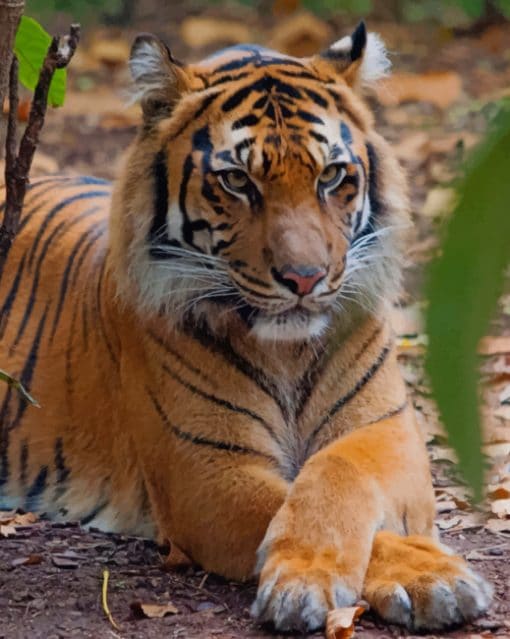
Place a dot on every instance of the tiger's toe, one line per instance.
(422, 587)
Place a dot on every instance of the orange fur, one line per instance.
(166, 411)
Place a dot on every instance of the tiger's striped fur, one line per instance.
(194, 385)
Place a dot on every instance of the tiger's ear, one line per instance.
(158, 77)
(360, 58)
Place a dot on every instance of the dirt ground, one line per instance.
(59, 595)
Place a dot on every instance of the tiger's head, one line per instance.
(258, 187)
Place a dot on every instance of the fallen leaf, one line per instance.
(501, 508)
(301, 34)
(442, 453)
(494, 345)
(153, 611)
(340, 622)
(498, 525)
(463, 522)
(203, 31)
(176, 558)
(439, 201)
(445, 506)
(30, 560)
(499, 492)
(441, 88)
(7, 531)
(448, 524)
(413, 148)
(110, 51)
(503, 412)
(497, 450)
(61, 561)
(407, 321)
(476, 555)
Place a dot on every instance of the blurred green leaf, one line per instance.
(503, 7)
(31, 46)
(17, 385)
(463, 290)
(473, 8)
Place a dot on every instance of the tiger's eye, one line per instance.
(236, 180)
(332, 175)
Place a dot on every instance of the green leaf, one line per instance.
(503, 6)
(30, 47)
(464, 286)
(17, 385)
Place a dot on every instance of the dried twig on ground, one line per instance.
(17, 167)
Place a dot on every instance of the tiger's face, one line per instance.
(265, 201)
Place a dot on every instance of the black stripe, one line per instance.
(38, 486)
(11, 296)
(62, 227)
(158, 230)
(55, 210)
(222, 402)
(207, 101)
(390, 413)
(23, 463)
(345, 399)
(198, 440)
(309, 117)
(84, 521)
(223, 347)
(61, 469)
(99, 316)
(65, 277)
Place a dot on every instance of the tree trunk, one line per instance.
(10, 14)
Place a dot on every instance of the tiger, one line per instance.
(210, 343)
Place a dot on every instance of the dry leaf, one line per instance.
(463, 522)
(413, 148)
(498, 525)
(497, 450)
(198, 32)
(112, 52)
(31, 560)
(442, 453)
(503, 412)
(7, 530)
(492, 345)
(449, 523)
(446, 506)
(340, 622)
(501, 508)
(441, 88)
(501, 491)
(439, 202)
(153, 611)
(176, 558)
(301, 34)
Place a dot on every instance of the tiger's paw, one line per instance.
(297, 589)
(412, 581)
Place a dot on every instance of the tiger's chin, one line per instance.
(291, 326)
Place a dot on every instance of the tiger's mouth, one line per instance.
(294, 324)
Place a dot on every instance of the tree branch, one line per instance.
(59, 55)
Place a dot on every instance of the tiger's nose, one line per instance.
(301, 279)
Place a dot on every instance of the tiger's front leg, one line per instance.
(318, 547)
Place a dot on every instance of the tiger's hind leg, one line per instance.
(413, 581)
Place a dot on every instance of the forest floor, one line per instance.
(51, 576)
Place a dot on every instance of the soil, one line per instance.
(59, 595)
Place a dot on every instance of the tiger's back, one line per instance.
(55, 339)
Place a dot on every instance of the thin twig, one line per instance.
(17, 169)
(104, 599)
